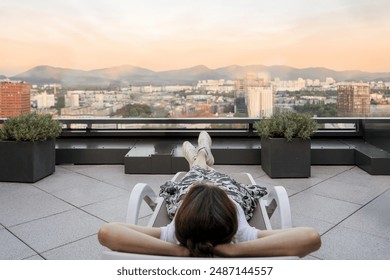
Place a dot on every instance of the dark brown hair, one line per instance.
(207, 217)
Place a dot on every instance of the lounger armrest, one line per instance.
(278, 197)
(141, 192)
(178, 176)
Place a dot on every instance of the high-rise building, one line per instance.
(45, 100)
(260, 101)
(353, 100)
(14, 98)
(258, 94)
(72, 99)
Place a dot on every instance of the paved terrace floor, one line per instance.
(59, 216)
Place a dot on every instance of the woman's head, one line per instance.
(207, 217)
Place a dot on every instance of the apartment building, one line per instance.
(353, 100)
(258, 94)
(14, 98)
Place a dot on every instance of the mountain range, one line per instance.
(131, 75)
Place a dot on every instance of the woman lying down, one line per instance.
(209, 212)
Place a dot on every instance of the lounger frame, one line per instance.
(277, 199)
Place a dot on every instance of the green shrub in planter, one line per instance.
(287, 125)
(30, 127)
(27, 147)
(285, 144)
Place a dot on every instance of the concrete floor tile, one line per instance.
(110, 210)
(61, 178)
(102, 172)
(30, 203)
(302, 221)
(347, 244)
(57, 230)
(360, 177)
(71, 166)
(12, 191)
(328, 171)
(12, 248)
(34, 258)
(111, 174)
(115, 210)
(321, 208)
(291, 192)
(295, 184)
(347, 192)
(373, 218)
(87, 194)
(85, 249)
(67, 180)
(79, 189)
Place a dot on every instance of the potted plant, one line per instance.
(285, 144)
(27, 147)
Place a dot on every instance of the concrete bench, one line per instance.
(370, 158)
(165, 156)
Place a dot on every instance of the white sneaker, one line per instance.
(189, 152)
(204, 142)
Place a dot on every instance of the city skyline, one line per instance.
(166, 35)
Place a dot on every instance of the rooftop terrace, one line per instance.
(59, 216)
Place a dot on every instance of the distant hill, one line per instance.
(132, 75)
(68, 77)
(2, 77)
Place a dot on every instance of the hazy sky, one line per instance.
(171, 34)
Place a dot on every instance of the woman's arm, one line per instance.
(137, 239)
(287, 242)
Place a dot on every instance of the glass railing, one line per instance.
(238, 126)
(245, 126)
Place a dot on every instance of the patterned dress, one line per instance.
(244, 195)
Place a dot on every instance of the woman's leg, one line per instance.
(201, 160)
(202, 155)
(204, 142)
(189, 152)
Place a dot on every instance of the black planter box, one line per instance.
(282, 159)
(26, 162)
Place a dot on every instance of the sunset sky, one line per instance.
(172, 34)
